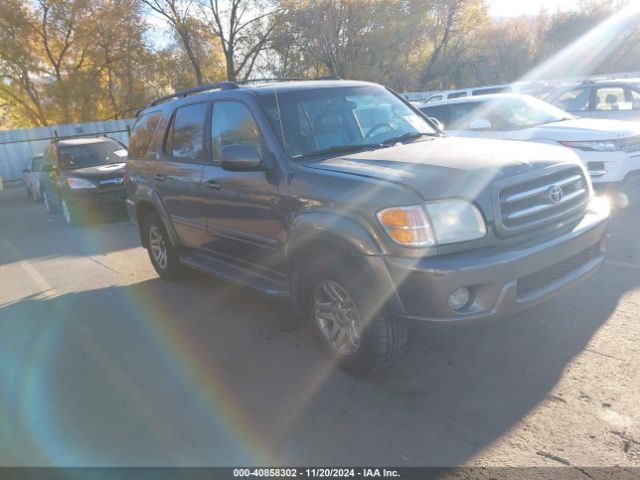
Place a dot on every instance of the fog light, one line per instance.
(459, 298)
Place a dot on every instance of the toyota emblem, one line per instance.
(555, 194)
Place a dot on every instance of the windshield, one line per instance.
(73, 157)
(346, 118)
(505, 113)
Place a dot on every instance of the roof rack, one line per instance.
(193, 91)
(284, 79)
(59, 138)
(227, 85)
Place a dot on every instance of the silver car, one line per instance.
(31, 177)
(617, 100)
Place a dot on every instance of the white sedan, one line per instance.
(610, 149)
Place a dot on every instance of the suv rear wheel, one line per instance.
(352, 330)
(163, 254)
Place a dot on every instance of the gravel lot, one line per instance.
(102, 363)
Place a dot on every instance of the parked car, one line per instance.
(31, 177)
(83, 175)
(609, 148)
(617, 100)
(279, 188)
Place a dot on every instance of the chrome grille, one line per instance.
(629, 145)
(537, 200)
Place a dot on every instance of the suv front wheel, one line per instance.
(351, 328)
(163, 254)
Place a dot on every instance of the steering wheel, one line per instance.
(377, 127)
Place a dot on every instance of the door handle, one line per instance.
(159, 177)
(213, 185)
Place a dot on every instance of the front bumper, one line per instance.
(98, 200)
(502, 281)
(610, 167)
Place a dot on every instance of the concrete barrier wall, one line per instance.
(18, 146)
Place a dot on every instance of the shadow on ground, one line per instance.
(199, 372)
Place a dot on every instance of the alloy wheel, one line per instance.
(158, 247)
(337, 317)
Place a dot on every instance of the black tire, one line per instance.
(382, 338)
(171, 268)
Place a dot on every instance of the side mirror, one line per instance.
(438, 123)
(480, 124)
(26, 170)
(240, 158)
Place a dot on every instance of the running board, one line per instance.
(234, 274)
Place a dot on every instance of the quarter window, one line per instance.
(611, 98)
(186, 134)
(143, 133)
(232, 123)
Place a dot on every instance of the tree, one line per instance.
(243, 29)
(64, 61)
(178, 15)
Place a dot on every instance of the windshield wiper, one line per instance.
(342, 149)
(405, 137)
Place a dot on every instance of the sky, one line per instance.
(511, 8)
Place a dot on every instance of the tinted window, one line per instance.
(186, 137)
(575, 100)
(232, 123)
(142, 133)
(72, 157)
(457, 95)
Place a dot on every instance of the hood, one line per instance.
(98, 172)
(450, 166)
(586, 129)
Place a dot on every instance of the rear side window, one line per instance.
(232, 123)
(612, 98)
(185, 140)
(143, 133)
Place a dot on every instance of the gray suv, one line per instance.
(344, 199)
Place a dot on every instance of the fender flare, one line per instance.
(332, 228)
(150, 197)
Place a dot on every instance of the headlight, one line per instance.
(455, 221)
(78, 183)
(606, 146)
(435, 223)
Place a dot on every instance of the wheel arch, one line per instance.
(149, 204)
(322, 233)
